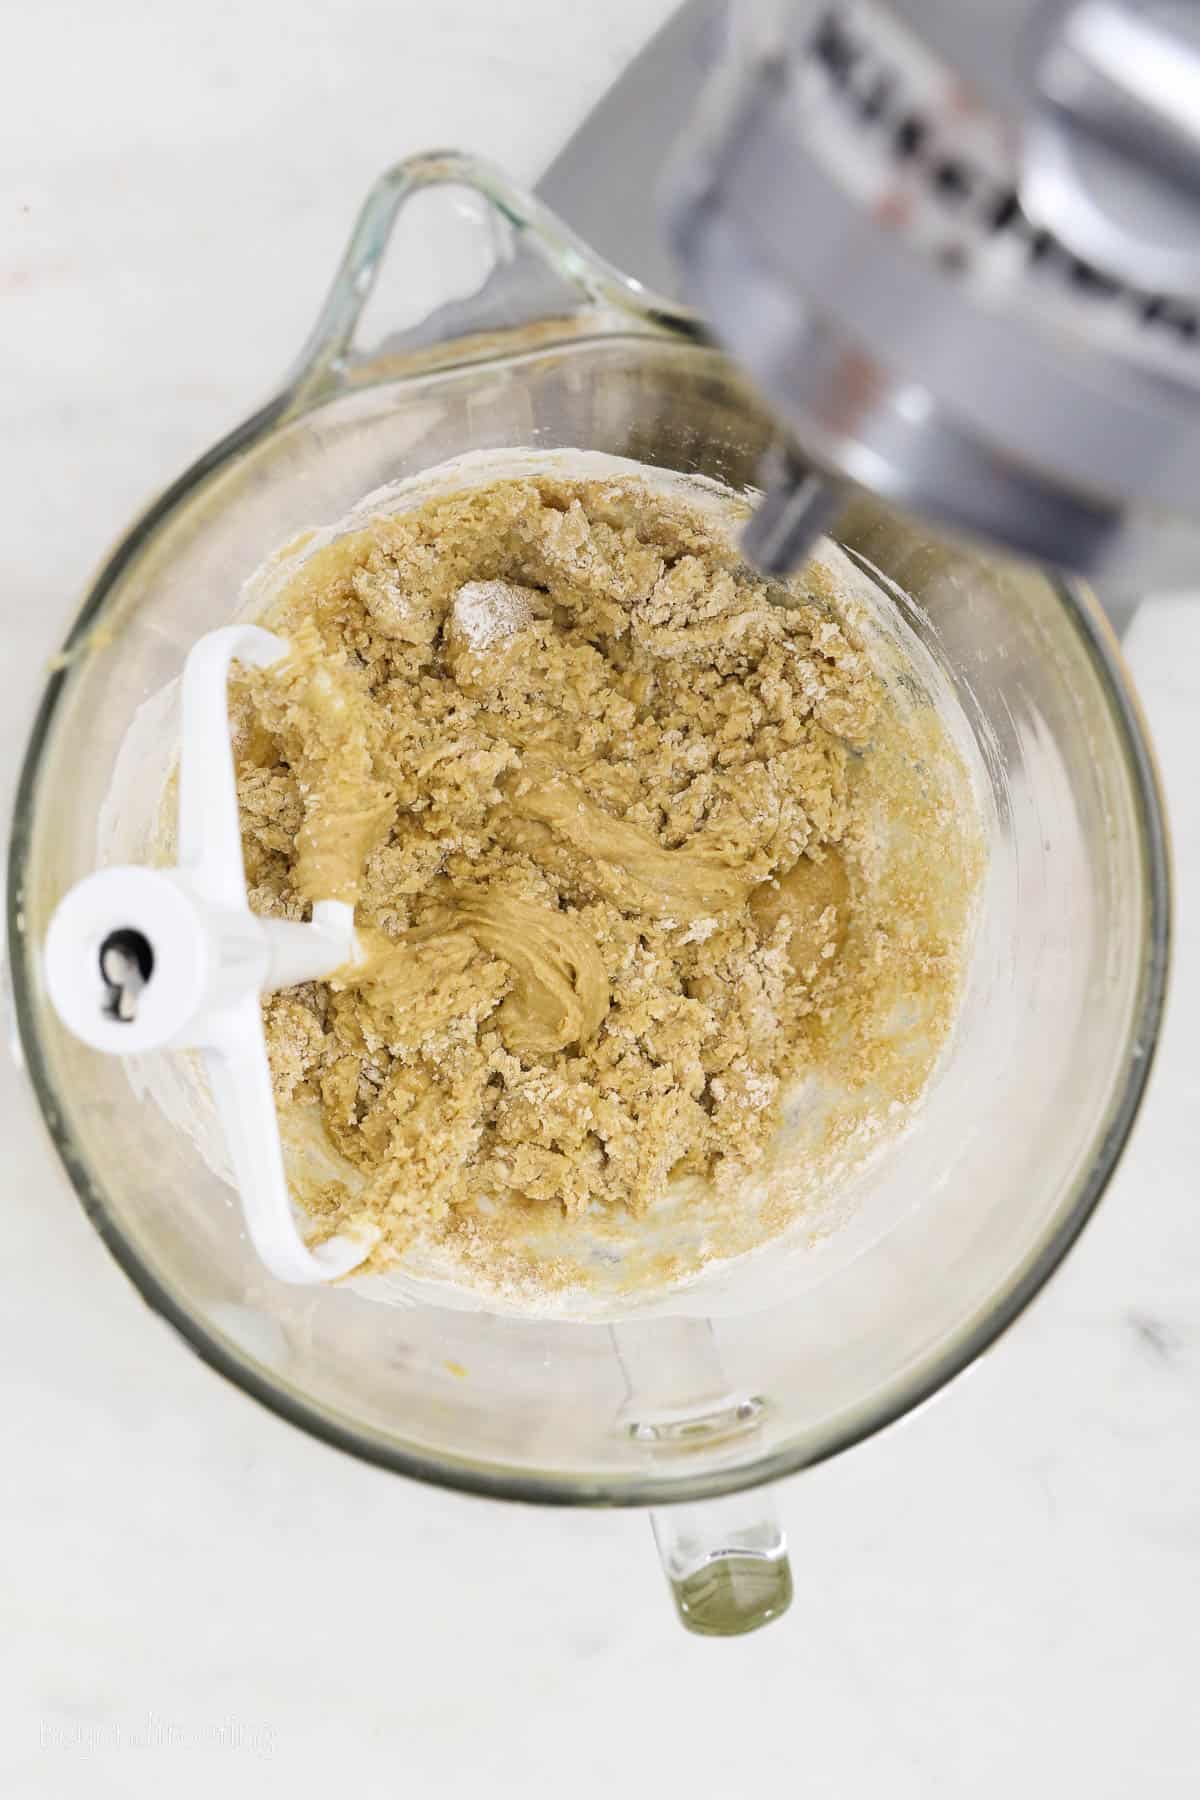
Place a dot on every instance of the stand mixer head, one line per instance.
(958, 248)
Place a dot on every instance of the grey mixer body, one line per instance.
(957, 246)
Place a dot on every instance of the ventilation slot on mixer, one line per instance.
(895, 125)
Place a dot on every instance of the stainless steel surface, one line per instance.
(799, 506)
(1112, 150)
(1129, 78)
(1104, 96)
(851, 215)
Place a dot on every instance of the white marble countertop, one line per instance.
(1002, 1594)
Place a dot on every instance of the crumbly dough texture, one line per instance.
(632, 851)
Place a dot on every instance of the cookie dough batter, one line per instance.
(631, 850)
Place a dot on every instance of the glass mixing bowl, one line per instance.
(503, 331)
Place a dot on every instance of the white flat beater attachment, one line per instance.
(141, 959)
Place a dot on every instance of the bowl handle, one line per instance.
(725, 1557)
(726, 1561)
(541, 274)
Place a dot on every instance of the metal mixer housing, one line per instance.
(958, 249)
